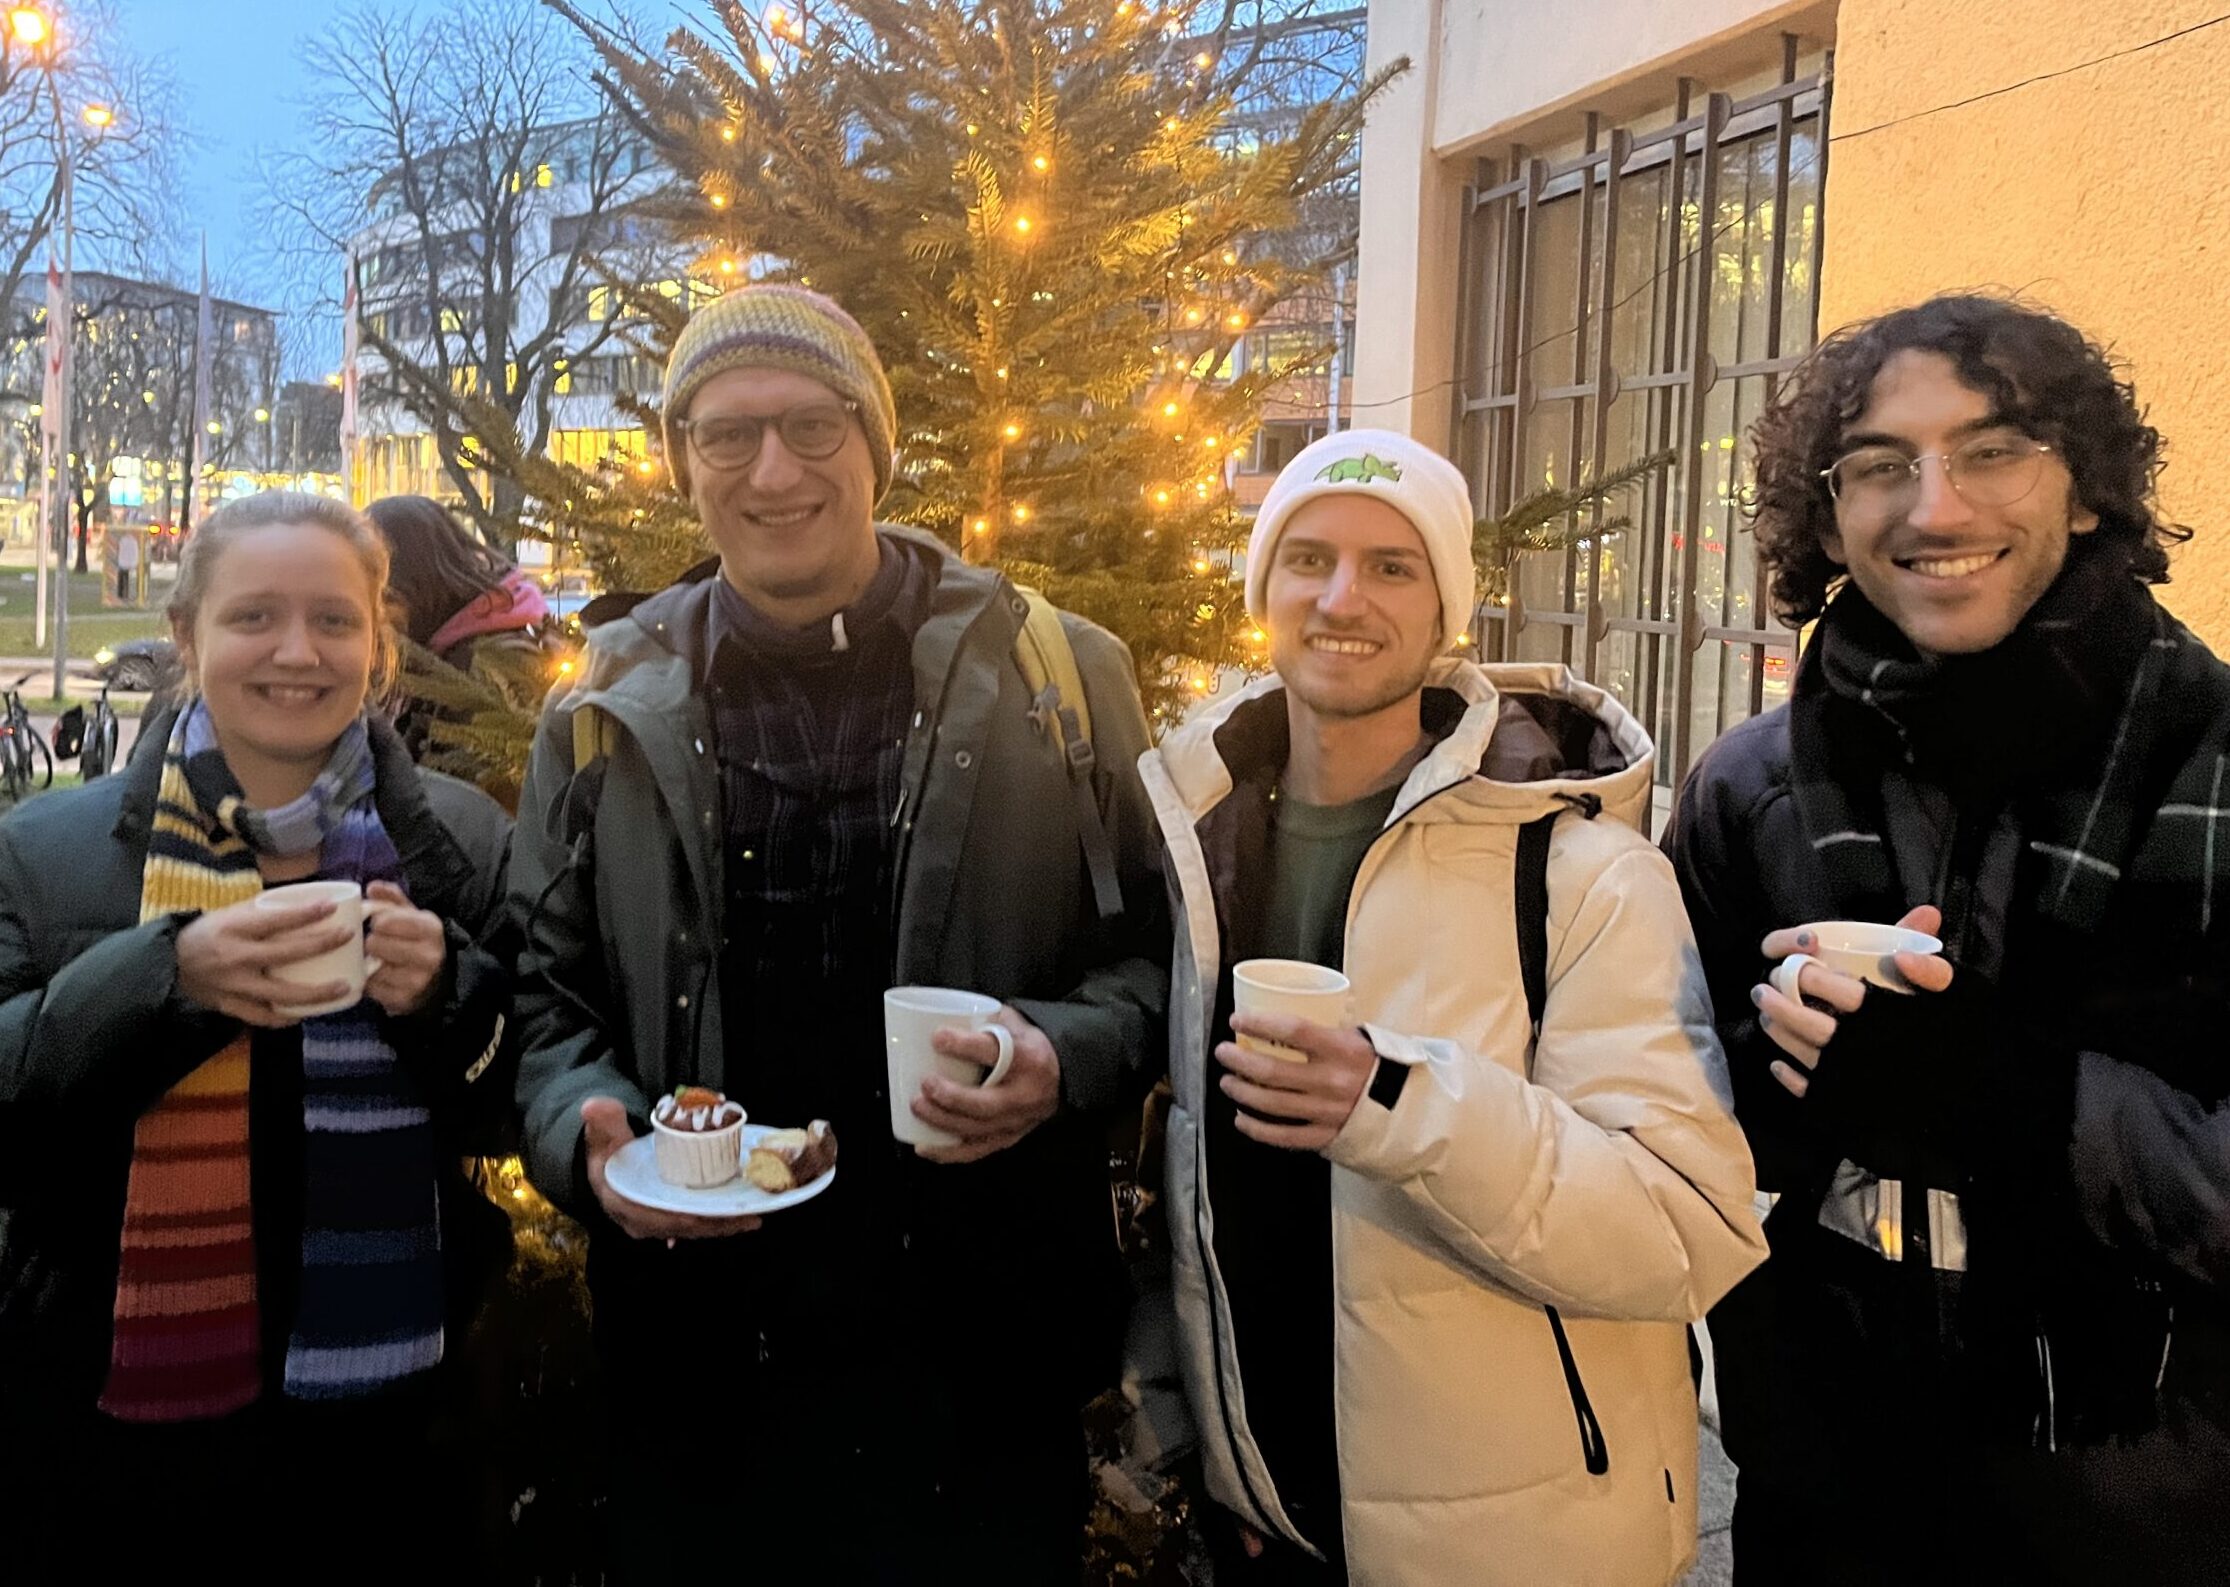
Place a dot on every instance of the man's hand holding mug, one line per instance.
(1834, 963)
(968, 1075)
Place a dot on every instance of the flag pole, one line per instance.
(351, 465)
(204, 335)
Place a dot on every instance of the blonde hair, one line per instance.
(268, 509)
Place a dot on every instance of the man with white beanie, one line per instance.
(1434, 1249)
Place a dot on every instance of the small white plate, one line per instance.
(632, 1172)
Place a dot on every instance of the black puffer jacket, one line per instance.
(93, 1031)
(1840, 1366)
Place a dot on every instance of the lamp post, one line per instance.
(31, 28)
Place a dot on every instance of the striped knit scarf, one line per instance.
(187, 1340)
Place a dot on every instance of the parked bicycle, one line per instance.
(98, 757)
(26, 764)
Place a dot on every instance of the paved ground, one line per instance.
(1714, 1565)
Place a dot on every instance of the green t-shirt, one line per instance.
(1315, 851)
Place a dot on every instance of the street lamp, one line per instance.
(31, 28)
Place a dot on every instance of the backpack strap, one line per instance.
(1532, 902)
(593, 736)
(1048, 660)
(1056, 684)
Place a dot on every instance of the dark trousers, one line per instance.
(698, 1488)
(280, 1492)
(2150, 1510)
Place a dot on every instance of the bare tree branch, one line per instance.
(485, 184)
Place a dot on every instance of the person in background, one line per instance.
(127, 564)
(238, 1246)
(455, 596)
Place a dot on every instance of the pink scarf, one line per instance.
(514, 603)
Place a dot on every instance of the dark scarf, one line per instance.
(2047, 746)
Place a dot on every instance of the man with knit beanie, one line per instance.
(809, 772)
(1437, 1242)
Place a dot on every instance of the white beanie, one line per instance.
(1412, 478)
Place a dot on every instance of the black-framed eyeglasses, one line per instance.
(1988, 471)
(811, 430)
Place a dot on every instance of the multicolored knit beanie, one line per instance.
(780, 327)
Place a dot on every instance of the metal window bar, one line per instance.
(1499, 397)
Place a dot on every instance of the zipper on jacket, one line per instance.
(1592, 1448)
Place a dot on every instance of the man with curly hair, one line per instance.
(1992, 1342)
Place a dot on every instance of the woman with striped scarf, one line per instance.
(235, 1241)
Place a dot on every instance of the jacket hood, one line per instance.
(1515, 741)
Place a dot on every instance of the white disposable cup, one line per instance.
(1290, 986)
(349, 962)
(912, 1016)
(1860, 949)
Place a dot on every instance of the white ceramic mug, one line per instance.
(912, 1016)
(1289, 986)
(1860, 949)
(349, 962)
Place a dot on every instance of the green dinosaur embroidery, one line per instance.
(1359, 470)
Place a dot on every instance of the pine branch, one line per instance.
(1561, 518)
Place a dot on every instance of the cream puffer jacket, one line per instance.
(1597, 1171)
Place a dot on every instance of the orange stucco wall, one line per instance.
(2079, 152)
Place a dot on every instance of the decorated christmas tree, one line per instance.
(1058, 220)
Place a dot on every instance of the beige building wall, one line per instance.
(1481, 72)
(2073, 150)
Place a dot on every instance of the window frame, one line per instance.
(1497, 394)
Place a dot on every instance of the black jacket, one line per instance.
(93, 1032)
(1838, 1366)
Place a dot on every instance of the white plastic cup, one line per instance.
(1861, 949)
(349, 962)
(912, 1016)
(1290, 986)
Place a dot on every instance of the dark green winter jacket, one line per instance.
(617, 875)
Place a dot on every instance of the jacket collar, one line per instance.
(1529, 736)
(675, 626)
(435, 864)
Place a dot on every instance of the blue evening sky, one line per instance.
(238, 66)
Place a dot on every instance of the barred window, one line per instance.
(1637, 291)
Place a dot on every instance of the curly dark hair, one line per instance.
(2048, 377)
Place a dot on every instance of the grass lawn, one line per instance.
(91, 625)
(121, 704)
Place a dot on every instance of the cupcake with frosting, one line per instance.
(699, 1137)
